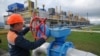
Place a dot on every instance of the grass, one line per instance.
(3, 31)
(4, 44)
(96, 28)
(93, 28)
(84, 41)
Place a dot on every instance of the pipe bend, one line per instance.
(41, 50)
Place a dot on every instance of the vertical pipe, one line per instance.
(36, 3)
(36, 7)
(57, 15)
(29, 7)
(87, 17)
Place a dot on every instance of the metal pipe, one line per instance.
(41, 49)
(70, 52)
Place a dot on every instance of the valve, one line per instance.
(37, 26)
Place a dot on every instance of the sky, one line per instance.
(80, 7)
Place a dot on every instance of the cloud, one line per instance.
(3, 7)
(81, 7)
(48, 3)
(94, 20)
(80, 4)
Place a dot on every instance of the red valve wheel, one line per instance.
(35, 25)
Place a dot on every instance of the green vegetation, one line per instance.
(3, 31)
(96, 28)
(92, 28)
(86, 41)
(82, 40)
(4, 44)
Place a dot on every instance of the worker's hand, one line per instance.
(44, 36)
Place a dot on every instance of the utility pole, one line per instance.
(87, 18)
(87, 15)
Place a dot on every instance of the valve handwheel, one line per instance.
(37, 26)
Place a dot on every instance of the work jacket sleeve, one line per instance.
(25, 30)
(23, 43)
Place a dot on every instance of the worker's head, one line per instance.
(15, 21)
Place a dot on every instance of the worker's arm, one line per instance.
(23, 43)
(25, 30)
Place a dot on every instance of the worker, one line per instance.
(18, 45)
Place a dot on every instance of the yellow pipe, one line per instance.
(29, 7)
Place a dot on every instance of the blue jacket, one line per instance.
(18, 45)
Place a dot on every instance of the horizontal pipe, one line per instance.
(70, 51)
